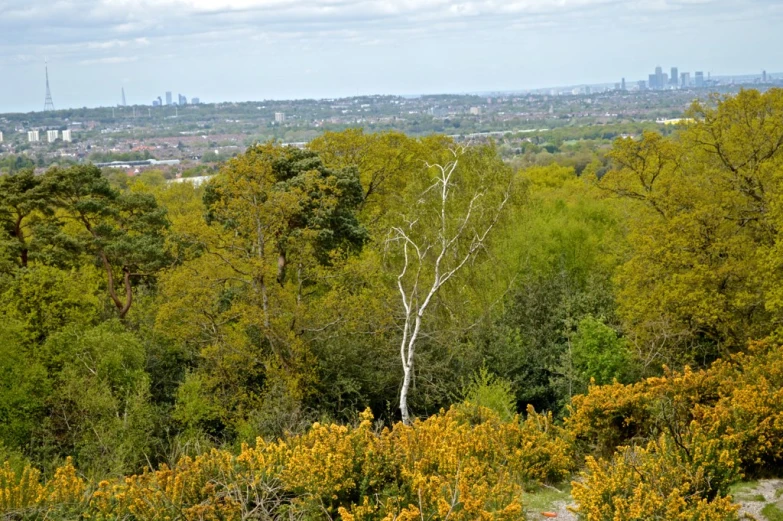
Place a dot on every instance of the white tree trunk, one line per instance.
(416, 292)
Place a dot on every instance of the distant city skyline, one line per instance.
(656, 81)
(239, 50)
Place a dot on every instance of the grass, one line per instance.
(743, 491)
(772, 513)
(541, 499)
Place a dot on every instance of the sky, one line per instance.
(243, 50)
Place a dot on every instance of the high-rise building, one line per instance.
(685, 79)
(52, 135)
(642, 85)
(1, 137)
(195, 101)
(33, 136)
(653, 81)
(181, 100)
(168, 97)
(659, 81)
(675, 76)
(622, 84)
(699, 79)
(155, 103)
(67, 136)
(764, 76)
(279, 117)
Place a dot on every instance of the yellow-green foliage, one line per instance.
(656, 482)
(739, 400)
(454, 465)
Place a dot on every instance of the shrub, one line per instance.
(739, 400)
(449, 465)
(662, 481)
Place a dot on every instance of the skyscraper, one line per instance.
(659, 81)
(685, 79)
(699, 80)
(675, 76)
(622, 85)
(168, 97)
(181, 100)
(764, 76)
(653, 81)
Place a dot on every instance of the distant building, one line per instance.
(195, 101)
(52, 135)
(1, 137)
(279, 117)
(33, 136)
(653, 81)
(182, 100)
(622, 84)
(168, 98)
(475, 111)
(699, 79)
(67, 136)
(642, 85)
(685, 79)
(763, 78)
(659, 81)
(155, 103)
(675, 76)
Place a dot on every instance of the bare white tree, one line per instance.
(435, 249)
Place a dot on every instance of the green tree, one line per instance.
(22, 195)
(125, 231)
(697, 284)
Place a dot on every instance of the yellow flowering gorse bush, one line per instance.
(447, 466)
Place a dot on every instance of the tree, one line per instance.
(278, 224)
(383, 161)
(698, 281)
(21, 196)
(449, 220)
(124, 230)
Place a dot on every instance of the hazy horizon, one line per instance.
(248, 50)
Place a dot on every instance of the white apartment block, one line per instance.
(52, 135)
(279, 117)
(1, 137)
(67, 136)
(33, 136)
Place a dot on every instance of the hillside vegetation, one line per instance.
(381, 327)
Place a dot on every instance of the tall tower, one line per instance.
(48, 103)
(123, 98)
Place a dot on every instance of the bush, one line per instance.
(739, 400)
(662, 481)
(445, 466)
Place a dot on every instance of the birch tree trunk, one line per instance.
(435, 250)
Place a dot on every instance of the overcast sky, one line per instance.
(222, 50)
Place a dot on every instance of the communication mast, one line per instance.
(48, 103)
